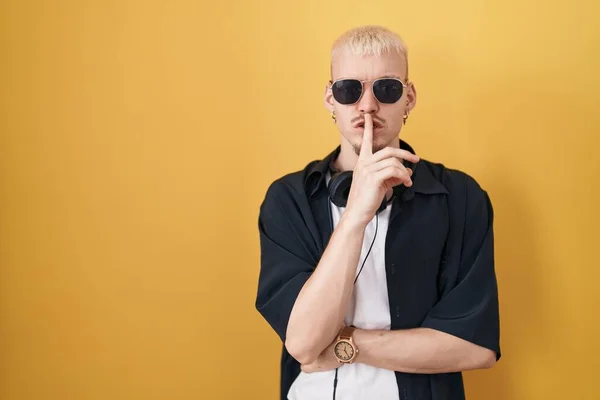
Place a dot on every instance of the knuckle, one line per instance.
(384, 152)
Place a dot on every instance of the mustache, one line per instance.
(377, 121)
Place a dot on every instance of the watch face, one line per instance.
(344, 351)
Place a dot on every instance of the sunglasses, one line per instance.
(349, 91)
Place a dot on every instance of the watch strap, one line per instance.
(346, 333)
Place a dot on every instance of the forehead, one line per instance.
(369, 66)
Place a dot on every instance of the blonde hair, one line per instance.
(370, 40)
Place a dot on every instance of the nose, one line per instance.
(368, 103)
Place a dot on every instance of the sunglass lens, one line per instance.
(387, 90)
(347, 91)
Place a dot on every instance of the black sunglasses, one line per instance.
(349, 91)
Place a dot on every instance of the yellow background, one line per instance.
(138, 139)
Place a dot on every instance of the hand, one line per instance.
(325, 362)
(375, 174)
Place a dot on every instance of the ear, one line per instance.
(328, 98)
(411, 97)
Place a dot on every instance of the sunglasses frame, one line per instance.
(362, 87)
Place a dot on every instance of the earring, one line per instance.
(333, 116)
(404, 118)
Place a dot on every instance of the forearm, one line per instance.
(321, 306)
(420, 350)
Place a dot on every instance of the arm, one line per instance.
(302, 297)
(417, 351)
(420, 351)
(321, 306)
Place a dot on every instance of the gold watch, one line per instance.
(344, 348)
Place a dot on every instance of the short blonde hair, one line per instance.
(370, 39)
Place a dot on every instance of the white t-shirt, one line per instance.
(369, 309)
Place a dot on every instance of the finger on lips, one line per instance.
(366, 148)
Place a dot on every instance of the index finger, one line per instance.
(366, 149)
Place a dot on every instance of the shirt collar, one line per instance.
(423, 179)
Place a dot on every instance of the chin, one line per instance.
(378, 144)
(376, 147)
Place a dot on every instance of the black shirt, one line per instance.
(439, 257)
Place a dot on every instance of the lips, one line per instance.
(361, 125)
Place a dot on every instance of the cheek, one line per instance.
(344, 118)
(393, 119)
(396, 122)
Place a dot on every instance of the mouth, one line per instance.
(361, 125)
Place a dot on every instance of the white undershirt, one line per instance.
(368, 309)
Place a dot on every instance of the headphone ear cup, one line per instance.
(339, 188)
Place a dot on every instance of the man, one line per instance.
(386, 290)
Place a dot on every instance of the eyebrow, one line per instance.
(391, 76)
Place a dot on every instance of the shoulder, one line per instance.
(457, 182)
(469, 206)
(466, 198)
(288, 188)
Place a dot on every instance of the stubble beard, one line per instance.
(376, 147)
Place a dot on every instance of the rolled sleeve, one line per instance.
(468, 307)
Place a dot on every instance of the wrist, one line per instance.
(353, 221)
(369, 340)
(360, 338)
(344, 347)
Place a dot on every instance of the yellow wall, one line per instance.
(138, 139)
